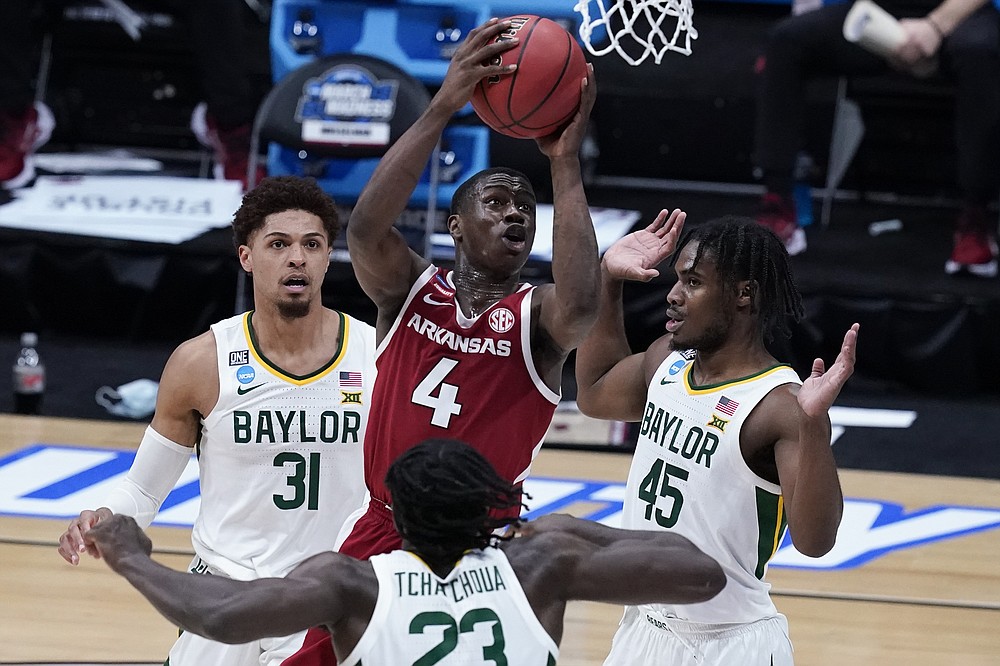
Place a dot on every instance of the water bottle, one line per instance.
(29, 377)
(802, 192)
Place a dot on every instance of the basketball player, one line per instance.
(451, 595)
(471, 353)
(732, 445)
(276, 401)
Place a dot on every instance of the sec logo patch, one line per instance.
(501, 320)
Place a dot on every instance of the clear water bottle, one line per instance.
(29, 377)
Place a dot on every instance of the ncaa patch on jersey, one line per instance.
(241, 357)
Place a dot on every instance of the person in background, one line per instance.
(230, 44)
(962, 35)
(454, 593)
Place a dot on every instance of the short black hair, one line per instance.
(277, 194)
(464, 191)
(447, 499)
(745, 250)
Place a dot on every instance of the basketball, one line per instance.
(543, 93)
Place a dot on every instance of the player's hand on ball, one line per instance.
(473, 61)
(568, 140)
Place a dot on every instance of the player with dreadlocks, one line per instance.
(732, 448)
(454, 594)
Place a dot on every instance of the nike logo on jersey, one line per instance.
(430, 301)
(243, 390)
(665, 381)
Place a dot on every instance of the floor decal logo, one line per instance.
(57, 482)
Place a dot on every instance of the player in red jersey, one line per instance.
(471, 354)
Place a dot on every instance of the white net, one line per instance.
(637, 29)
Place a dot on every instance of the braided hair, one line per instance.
(448, 499)
(745, 250)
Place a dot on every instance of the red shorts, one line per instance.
(374, 534)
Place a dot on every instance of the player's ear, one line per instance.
(746, 291)
(455, 226)
(246, 259)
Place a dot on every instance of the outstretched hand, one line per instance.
(636, 255)
(819, 391)
(116, 538)
(475, 59)
(568, 140)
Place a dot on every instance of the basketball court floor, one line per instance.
(915, 577)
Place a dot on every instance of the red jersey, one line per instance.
(442, 374)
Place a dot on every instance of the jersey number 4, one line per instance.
(445, 404)
(662, 470)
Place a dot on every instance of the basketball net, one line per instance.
(638, 29)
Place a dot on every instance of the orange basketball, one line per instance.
(543, 93)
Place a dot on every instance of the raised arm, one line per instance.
(568, 306)
(594, 562)
(611, 381)
(814, 502)
(223, 609)
(189, 388)
(385, 266)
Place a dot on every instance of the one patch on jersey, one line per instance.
(241, 357)
(350, 379)
(677, 366)
(501, 320)
(718, 423)
(442, 286)
(727, 406)
(245, 374)
(350, 397)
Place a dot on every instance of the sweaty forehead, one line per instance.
(687, 254)
(510, 182)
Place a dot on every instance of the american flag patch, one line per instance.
(350, 379)
(726, 406)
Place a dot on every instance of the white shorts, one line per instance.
(649, 639)
(193, 650)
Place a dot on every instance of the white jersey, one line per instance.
(688, 476)
(280, 455)
(477, 614)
